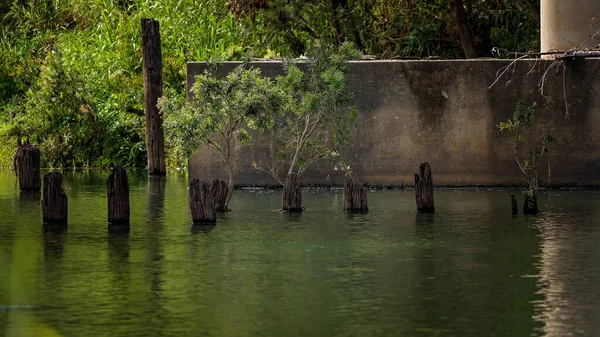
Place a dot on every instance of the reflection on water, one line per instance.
(471, 269)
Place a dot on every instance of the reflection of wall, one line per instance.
(444, 113)
(569, 23)
(569, 275)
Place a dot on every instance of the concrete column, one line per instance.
(566, 24)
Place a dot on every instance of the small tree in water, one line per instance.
(521, 131)
(219, 114)
(314, 116)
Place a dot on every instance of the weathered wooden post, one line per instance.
(26, 164)
(424, 189)
(54, 205)
(355, 196)
(153, 90)
(201, 203)
(292, 195)
(514, 206)
(117, 192)
(219, 191)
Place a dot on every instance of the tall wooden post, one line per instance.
(153, 89)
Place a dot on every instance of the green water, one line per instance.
(471, 269)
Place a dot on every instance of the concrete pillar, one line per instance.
(569, 23)
(566, 24)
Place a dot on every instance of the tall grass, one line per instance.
(95, 46)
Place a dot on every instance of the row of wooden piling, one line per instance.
(205, 199)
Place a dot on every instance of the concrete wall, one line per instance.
(569, 23)
(444, 113)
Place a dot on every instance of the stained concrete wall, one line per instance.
(444, 113)
(566, 24)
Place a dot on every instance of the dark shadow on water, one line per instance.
(118, 229)
(424, 225)
(30, 196)
(426, 219)
(118, 245)
(54, 238)
(292, 216)
(55, 229)
(156, 197)
(202, 229)
(357, 217)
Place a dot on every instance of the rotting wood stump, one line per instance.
(355, 196)
(219, 191)
(424, 189)
(514, 205)
(292, 195)
(55, 207)
(201, 201)
(117, 192)
(26, 164)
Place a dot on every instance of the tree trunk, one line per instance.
(201, 203)
(54, 205)
(514, 206)
(530, 206)
(467, 40)
(424, 189)
(153, 90)
(219, 192)
(26, 164)
(117, 191)
(355, 196)
(230, 185)
(292, 195)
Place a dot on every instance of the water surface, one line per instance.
(471, 269)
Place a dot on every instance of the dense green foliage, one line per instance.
(222, 110)
(403, 28)
(306, 112)
(315, 114)
(70, 70)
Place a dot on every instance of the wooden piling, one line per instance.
(292, 195)
(514, 205)
(355, 196)
(54, 204)
(201, 203)
(153, 90)
(424, 189)
(26, 164)
(219, 191)
(117, 192)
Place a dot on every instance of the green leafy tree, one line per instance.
(415, 28)
(528, 149)
(315, 115)
(219, 114)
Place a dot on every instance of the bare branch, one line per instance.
(506, 68)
